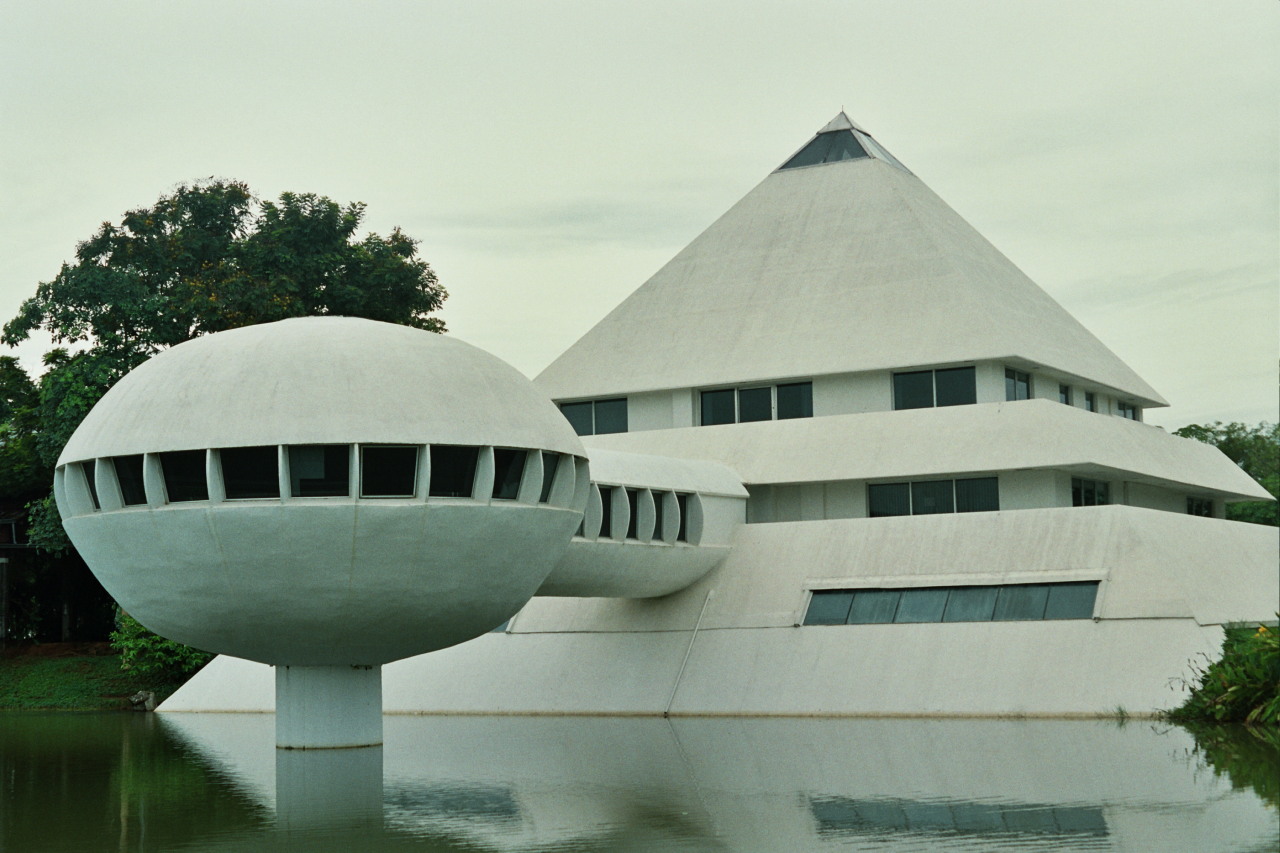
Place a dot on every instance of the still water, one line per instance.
(215, 782)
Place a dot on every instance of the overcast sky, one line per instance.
(551, 156)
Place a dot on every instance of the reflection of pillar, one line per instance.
(330, 788)
(328, 707)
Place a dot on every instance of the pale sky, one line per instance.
(551, 156)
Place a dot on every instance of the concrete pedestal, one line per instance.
(328, 707)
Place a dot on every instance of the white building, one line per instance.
(951, 503)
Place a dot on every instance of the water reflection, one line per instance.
(216, 782)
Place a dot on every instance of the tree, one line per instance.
(204, 258)
(1257, 451)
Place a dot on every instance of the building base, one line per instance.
(328, 707)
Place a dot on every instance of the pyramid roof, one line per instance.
(840, 261)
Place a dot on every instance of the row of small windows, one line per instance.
(928, 497)
(324, 470)
(1008, 603)
(671, 513)
(596, 417)
(760, 403)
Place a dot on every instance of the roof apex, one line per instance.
(842, 122)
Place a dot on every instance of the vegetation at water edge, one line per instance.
(1243, 686)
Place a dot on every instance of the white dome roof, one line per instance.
(320, 380)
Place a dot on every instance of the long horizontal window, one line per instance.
(760, 403)
(1009, 603)
(596, 417)
(923, 389)
(928, 497)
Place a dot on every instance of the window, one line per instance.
(508, 467)
(320, 471)
(1126, 410)
(184, 475)
(550, 462)
(1013, 602)
(658, 499)
(388, 471)
(922, 389)
(633, 513)
(596, 417)
(1091, 401)
(1090, 492)
(759, 403)
(129, 475)
(11, 532)
(1200, 506)
(1017, 385)
(682, 504)
(606, 512)
(250, 472)
(829, 147)
(1064, 394)
(926, 497)
(90, 471)
(453, 471)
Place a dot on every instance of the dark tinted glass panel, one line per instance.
(755, 404)
(250, 472)
(921, 605)
(508, 465)
(932, 496)
(1200, 506)
(1021, 602)
(828, 608)
(388, 471)
(1017, 385)
(606, 513)
(829, 147)
(873, 606)
(1103, 492)
(971, 604)
(90, 470)
(1064, 394)
(956, 386)
(1077, 491)
(129, 475)
(550, 462)
(184, 475)
(1091, 401)
(1071, 600)
(320, 471)
(633, 512)
(682, 503)
(453, 470)
(611, 416)
(913, 390)
(977, 494)
(717, 407)
(579, 417)
(659, 498)
(889, 499)
(795, 400)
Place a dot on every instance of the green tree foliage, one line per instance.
(1243, 686)
(1257, 451)
(204, 258)
(151, 656)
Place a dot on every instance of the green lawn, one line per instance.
(67, 683)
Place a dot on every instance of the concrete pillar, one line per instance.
(328, 707)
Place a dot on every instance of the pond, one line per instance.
(206, 782)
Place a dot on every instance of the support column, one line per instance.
(328, 707)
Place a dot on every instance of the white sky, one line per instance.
(552, 155)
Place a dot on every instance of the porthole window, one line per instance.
(453, 470)
(184, 475)
(320, 471)
(250, 472)
(388, 470)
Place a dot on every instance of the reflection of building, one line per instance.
(953, 504)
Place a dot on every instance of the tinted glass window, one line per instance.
(889, 499)
(633, 512)
(1021, 602)
(659, 498)
(250, 472)
(931, 496)
(453, 471)
(1017, 385)
(320, 470)
(921, 605)
(606, 512)
(184, 475)
(682, 504)
(956, 386)
(579, 417)
(611, 416)
(550, 462)
(1091, 401)
(755, 404)
(913, 390)
(129, 475)
(829, 147)
(717, 407)
(90, 470)
(508, 466)
(389, 471)
(1071, 600)
(977, 494)
(971, 604)
(828, 608)
(795, 400)
(1064, 394)
(873, 606)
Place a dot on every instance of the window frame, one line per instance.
(736, 391)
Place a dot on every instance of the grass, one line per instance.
(69, 679)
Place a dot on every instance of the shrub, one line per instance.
(1243, 686)
(153, 656)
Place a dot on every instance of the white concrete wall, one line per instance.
(852, 393)
(1154, 497)
(1034, 489)
(651, 410)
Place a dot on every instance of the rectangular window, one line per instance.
(885, 499)
(1071, 600)
(755, 404)
(682, 504)
(1014, 602)
(717, 407)
(971, 604)
(90, 471)
(390, 471)
(320, 470)
(250, 472)
(184, 475)
(1090, 401)
(829, 608)
(795, 400)
(1064, 394)
(508, 467)
(913, 390)
(580, 416)
(874, 606)
(1127, 410)
(978, 494)
(1200, 506)
(606, 512)
(596, 417)
(550, 462)
(1020, 602)
(956, 386)
(932, 496)
(129, 475)
(453, 471)
(659, 498)
(633, 513)
(1017, 385)
(1090, 492)
(926, 497)
(921, 605)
